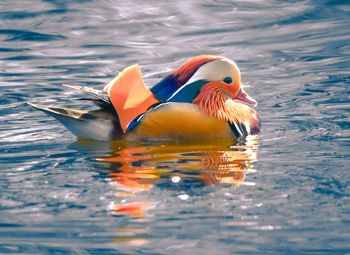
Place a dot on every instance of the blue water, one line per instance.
(283, 192)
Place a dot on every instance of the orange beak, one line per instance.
(244, 97)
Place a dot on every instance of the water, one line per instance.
(283, 192)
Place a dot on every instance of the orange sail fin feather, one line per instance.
(129, 95)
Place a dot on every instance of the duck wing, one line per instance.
(99, 125)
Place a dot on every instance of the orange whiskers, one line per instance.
(214, 99)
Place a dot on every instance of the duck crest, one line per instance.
(166, 87)
(187, 70)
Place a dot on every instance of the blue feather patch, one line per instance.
(165, 88)
(187, 93)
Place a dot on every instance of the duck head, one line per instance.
(217, 90)
(217, 79)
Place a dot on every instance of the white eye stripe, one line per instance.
(216, 70)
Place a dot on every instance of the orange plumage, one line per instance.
(213, 99)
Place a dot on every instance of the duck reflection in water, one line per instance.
(138, 169)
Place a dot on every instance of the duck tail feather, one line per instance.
(92, 92)
(81, 123)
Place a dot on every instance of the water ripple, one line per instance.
(25, 35)
(289, 186)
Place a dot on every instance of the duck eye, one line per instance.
(228, 80)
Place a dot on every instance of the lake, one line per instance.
(285, 191)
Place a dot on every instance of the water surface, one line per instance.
(283, 192)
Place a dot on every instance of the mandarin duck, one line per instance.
(203, 98)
